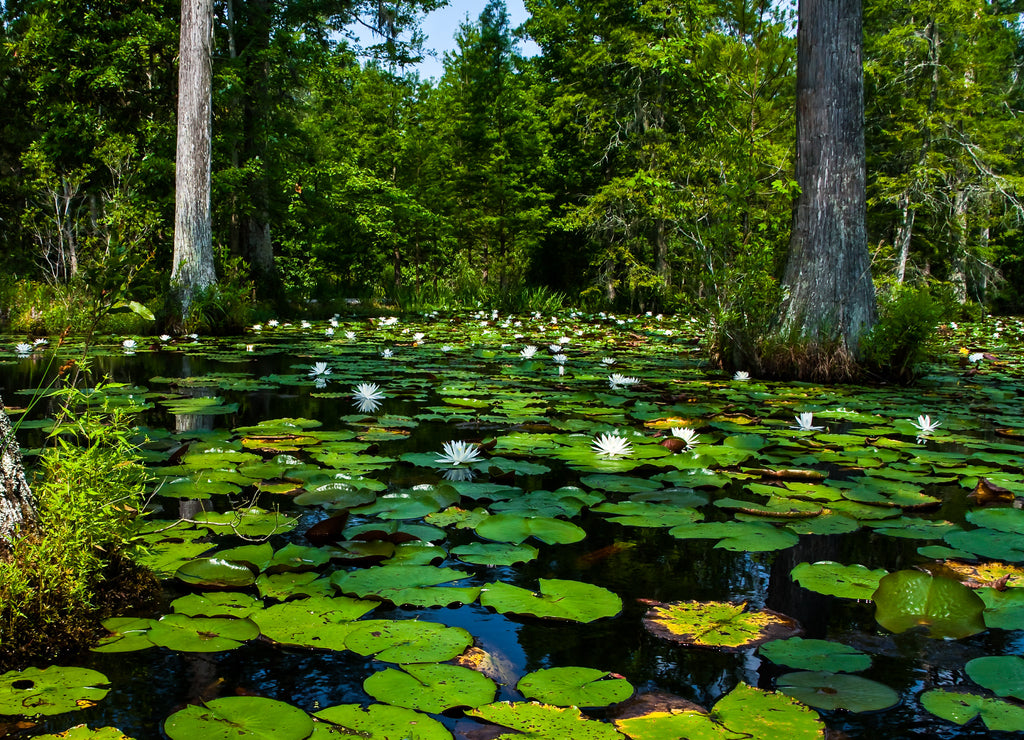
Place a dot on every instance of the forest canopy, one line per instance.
(642, 160)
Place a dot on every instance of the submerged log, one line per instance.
(17, 504)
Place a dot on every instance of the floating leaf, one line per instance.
(738, 536)
(84, 732)
(430, 687)
(998, 715)
(532, 721)
(128, 634)
(1003, 675)
(834, 579)
(717, 624)
(316, 622)
(52, 690)
(384, 722)
(407, 641)
(216, 605)
(406, 584)
(1003, 609)
(215, 573)
(239, 717)
(815, 655)
(486, 553)
(837, 691)
(201, 634)
(572, 686)
(912, 598)
(515, 529)
(558, 599)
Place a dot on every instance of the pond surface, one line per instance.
(249, 424)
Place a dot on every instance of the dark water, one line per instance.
(148, 686)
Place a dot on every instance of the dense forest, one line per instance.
(643, 160)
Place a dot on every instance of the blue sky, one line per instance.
(440, 26)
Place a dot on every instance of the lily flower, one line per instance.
(329, 331)
(611, 445)
(608, 361)
(350, 335)
(458, 452)
(257, 327)
(129, 346)
(165, 337)
(556, 348)
(272, 323)
(387, 352)
(367, 397)
(741, 375)
(976, 357)
(615, 380)
(319, 368)
(805, 422)
(689, 436)
(23, 348)
(527, 352)
(925, 425)
(559, 359)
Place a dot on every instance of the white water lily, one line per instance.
(925, 425)
(387, 352)
(418, 336)
(367, 397)
(559, 359)
(165, 337)
(615, 380)
(447, 348)
(318, 369)
(564, 340)
(129, 345)
(608, 361)
(741, 375)
(329, 331)
(976, 356)
(527, 352)
(805, 422)
(23, 348)
(611, 445)
(689, 436)
(458, 452)
(350, 335)
(257, 327)
(556, 348)
(305, 325)
(272, 323)
(40, 341)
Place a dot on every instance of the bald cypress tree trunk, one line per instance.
(830, 296)
(193, 269)
(17, 505)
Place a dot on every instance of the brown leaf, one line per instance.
(987, 492)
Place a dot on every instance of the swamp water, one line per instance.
(542, 551)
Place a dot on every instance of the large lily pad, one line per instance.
(317, 622)
(431, 687)
(406, 584)
(575, 687)
(515, 528)
(383, 722)
(825, 690)
(84, 732)
(558, 599)
(239, 718)
(532, 721)
(201, 634)
(215, 573)
(488, 553)
(52, 690)
(738, 536)
(834, 579)
(1003, 675)
(912, 598)
(717, 624)
(407, 640)
(745, 712)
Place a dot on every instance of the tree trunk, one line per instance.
(193, 269)
(17, 505)
(904, 231)
(830, 295)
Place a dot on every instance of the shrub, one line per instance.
(901, 338)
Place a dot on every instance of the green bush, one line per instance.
(900, 340)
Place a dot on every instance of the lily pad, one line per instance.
(513, 528)
(487, 553)
(431, 687)
(815, 655)
(558, 599)
(1003, 675)
(912, 598)
(316, 622)
(384, 722)
(84, 732)
(406, 584)
(407, 641)
(575, 687)
(738, 536)
(532, 721)
(717, 624)
(201, 634)
(837, 691)
(835, 579)
(52, 690)
(240, 717)
(961, 708)
(216, 573)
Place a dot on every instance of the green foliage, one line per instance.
(224, 308)
(900, 339)
(89, 486)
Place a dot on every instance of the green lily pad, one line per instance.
(745, 712)
(284, 586)
(127, 634)
(738, 536)
(316, 622)
(575, 687)
(837, 691)
(201, 634)
(1003, 675)
(998, 715)
(912, 598)
(52, 690)
(815, 655)
(215, 573)
(430, 687)
(383, 722)
(251, 522)
(514, 529)
(239, 717)
(488, 553)
(835, 579)
(717, 624)
(217, 605)
(531, 721)
(406, 584)
(1003, 609)
(645, 514)
(989, 543)
(84, 732)
(407, 641)
(558, 599)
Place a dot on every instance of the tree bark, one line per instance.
(830, 295)
(17, 504)
(193, 269)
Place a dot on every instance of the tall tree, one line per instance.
(193, 269)
(829, 293)
(17, 504)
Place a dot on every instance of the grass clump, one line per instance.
(59, 579)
